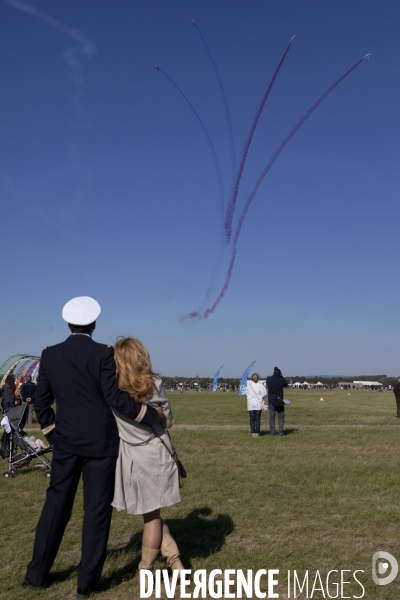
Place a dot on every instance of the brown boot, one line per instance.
(170, 551)
(149, 556)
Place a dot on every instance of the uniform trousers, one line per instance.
(281, 418)
(398, 406)
(98, 489)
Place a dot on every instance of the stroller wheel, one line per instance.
(47, 474)
(7, 474)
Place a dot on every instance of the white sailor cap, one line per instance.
(82, 310)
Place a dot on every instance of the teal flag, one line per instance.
(215, 382)
(243, 381)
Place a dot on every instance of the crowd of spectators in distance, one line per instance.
(180, 385)
(13, 395)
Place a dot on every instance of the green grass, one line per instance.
(326, 496)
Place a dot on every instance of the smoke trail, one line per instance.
(203, 315)
(228, 117)
(85, 48)
(232, 200)
(209, 140)
(217, 267)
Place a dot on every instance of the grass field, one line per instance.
(326, 496)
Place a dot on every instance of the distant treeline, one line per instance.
(385, 380)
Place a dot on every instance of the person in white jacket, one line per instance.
(255, 392)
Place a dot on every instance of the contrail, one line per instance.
(85, 48)
(218, 263)
(228, 116)
(209, 140)
(232, 200)
(203, 315)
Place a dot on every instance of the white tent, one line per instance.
(368, 384)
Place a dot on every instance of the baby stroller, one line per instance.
(13, 446)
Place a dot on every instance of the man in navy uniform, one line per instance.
(80, 375)
(28, 394)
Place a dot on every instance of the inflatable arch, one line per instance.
(21, 366)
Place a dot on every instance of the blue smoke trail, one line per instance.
(228, 116)
(243, 381)
(209, 140)
(219, 256)
(215, 382)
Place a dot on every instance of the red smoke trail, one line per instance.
(208, 311)
(232, 200)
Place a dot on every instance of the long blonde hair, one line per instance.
(133, 368)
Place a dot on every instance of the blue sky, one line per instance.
(108, 186)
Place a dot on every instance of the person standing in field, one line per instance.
(255, 392)
(147, 476)
(28, 395)
(80, 374)
(275, 385)
(396, 392)
(8, 392)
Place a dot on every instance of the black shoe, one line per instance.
(83, 593)
(27, 584)
(281, 435)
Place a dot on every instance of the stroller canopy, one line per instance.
(17, 416)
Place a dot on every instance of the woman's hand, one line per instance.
(160, 416)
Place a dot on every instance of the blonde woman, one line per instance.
(147, 477)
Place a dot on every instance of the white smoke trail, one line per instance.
(85, 47)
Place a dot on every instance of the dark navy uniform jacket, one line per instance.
(79, 375)
(28, 390)
(275, 387)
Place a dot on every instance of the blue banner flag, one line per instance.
(243, 381)
(215, 382)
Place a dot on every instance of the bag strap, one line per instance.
(173, 453)
(260, 399)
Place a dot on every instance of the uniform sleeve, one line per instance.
(120, 401)
(169, 417)
(44, 400)
(284, 382)
(168, 420)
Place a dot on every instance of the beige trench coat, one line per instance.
(146, 475)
